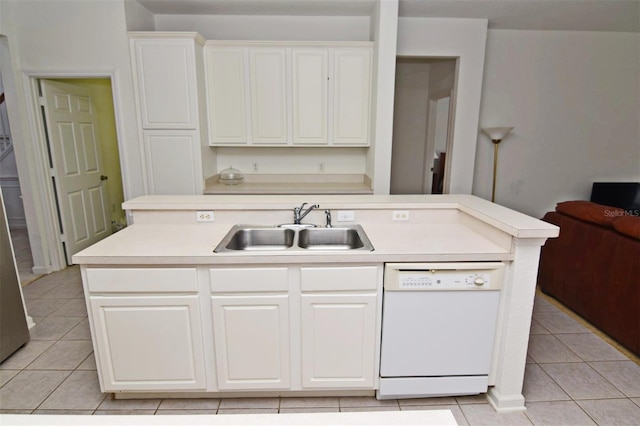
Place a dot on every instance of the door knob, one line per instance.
(103, 177)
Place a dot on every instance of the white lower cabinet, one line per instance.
(338, 340)
(164, 329)
(146, 328)
(251, 335)
(147, 343)
(318, 325)
(339, 321)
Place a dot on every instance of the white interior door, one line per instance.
(76, 164)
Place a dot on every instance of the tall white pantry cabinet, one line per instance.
(168, 75)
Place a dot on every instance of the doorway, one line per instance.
(82, 149)
(422, 123)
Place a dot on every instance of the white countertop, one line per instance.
(510, 221)
(166, 243)
(292, 184)
(194, 244)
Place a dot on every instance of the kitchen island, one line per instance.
(168, 315)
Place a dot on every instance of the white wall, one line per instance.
(409, 127)
(79, 39)
(384, 32)
(573, 98)
(251, 27)
(138, 18)
(453, 38)
(8, 169)
(293, 160)
(67, 38)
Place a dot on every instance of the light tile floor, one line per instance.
(573, 376)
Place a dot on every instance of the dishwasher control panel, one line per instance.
(443, 276)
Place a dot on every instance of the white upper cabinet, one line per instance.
(172, 162)
(268, 71)
(276, 93)
(168, 77)
(226, 98)
(165, 72)
(310, 93)
(352, 96)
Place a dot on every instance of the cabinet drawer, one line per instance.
(142, 280)
(249, 279)
(353, 278)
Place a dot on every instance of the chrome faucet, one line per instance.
(328, 214)
(299, 213)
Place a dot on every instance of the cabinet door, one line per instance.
(268, 95)
(165, 70)
(251, 335)
(226, 94)
(352, 96)
(148, 343)
(309, 89)
(338, 340)
(172, 161)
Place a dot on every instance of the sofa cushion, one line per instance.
(590, 212)
(628, 225)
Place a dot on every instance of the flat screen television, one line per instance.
(625, 195)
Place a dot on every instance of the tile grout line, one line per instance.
(562, 308)
(574, 401)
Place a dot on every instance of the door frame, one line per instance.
(41, 203)
(431, 142)
(452, 93)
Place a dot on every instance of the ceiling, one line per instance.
(567, 15)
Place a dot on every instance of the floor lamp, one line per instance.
(496, 134)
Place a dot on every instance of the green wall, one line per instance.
(106, 133)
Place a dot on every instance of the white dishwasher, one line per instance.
(438, 328)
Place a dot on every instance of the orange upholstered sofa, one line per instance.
(593, 267)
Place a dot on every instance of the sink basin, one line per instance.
(259, 239)
(265, 238)
(330, 239)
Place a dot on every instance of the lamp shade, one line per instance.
(497, 133)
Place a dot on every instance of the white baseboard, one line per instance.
(40, 270)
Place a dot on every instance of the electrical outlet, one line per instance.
(345, 216)
(204, 216)
(255, 167)
(399, 215)
(321, 167)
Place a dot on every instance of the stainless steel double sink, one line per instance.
(269, 238)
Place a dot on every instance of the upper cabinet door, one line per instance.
(352, 96)
(226, 94)
(166, 79)
(309, 89)
(268, 70)
(172, 162)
